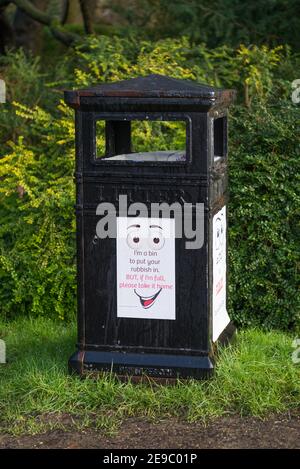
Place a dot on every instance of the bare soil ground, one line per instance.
(278, 431)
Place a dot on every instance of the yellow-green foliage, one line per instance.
(37, 233)
(37, 230)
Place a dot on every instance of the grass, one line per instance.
(254, 376)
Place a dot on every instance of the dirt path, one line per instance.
(280, 431)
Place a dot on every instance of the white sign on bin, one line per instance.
(220, 315)
(146, 268)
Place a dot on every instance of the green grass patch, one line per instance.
(255, 376)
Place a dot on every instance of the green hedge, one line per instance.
(264, 216)
(37, 233)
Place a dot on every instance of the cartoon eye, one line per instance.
(156, 240)
(220, 235)
(134, 239)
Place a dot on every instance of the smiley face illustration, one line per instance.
(219, 233)
(148, 301)
(152, 239)
(146, 268)
(136, 237)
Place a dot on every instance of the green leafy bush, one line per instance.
(38, 228)
(264, 215)
(37, 234)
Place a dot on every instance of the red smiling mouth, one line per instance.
(147, 301)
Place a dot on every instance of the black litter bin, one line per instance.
(151, 230)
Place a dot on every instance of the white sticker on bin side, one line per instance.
(220, 315)
(145, 268)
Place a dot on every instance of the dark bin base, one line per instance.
(145, 366)
(141, 365)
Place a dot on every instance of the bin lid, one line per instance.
(153, 86)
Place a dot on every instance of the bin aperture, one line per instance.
(143, 137)
(220, 137)
(150, 298)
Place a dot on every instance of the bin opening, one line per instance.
(141, 140)
(220, 138)
(158, 156)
